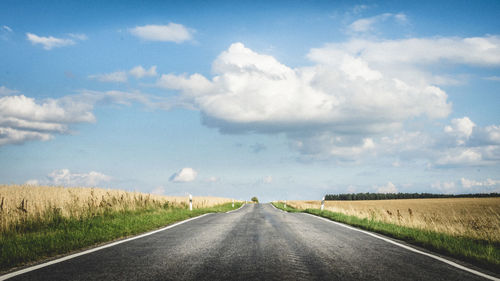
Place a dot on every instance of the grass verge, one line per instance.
(33, 241)
(478, 252)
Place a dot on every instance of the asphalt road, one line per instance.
(257, 242)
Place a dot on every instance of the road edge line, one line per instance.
(42, 265)
(478, 273)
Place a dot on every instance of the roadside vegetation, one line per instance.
(464, 228)
(39, 222)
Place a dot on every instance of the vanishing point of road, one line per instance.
(256, 242)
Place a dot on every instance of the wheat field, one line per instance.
(19, 203)
(477, 218)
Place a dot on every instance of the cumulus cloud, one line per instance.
(49, 42)
(388, 188)
(468, 144)
(4, 91)
(331, 104)
(64, 177)
(139, 71)
(117, 77)
(254, 92)
(23, 118)
(184, 175)
(172, 32)
(461, 128)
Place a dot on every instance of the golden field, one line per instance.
(477, 218)
(19, 203)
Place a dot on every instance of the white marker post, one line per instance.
(190, 202)
(233, 203)
(323, 203)
(285, 204)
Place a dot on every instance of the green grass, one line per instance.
(479, 252)
(33, 241)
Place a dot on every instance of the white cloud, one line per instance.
(64, 177)
(445, 187)
(32, 182)
(367, 24)
(122, 76)
(254, 92)
(23, 119)
(159, 190)
(460, 127)
(389, 188)
(460, 156)
(139, 71)
(5, 32)
(4, 91)
(172, 32)
(50, 42)
(267, 179)
(472, 183)
(328, 105)
(482, 51)
(184, 175)
(117, 77)
(467, 144)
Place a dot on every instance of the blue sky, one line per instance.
(280, 100)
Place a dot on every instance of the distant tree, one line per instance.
(385, 196)
(255, 200)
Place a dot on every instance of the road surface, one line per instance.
(257, 242)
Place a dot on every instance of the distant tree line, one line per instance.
(385, 196)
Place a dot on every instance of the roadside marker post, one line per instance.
(190, 202)
(285, 204)
(323, 203)
(233, 203)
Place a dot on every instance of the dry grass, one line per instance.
(19, 203)
(477, 218)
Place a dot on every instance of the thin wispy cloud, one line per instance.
(50, 42)
(368, 24)
(4, 91)
(172, 32)
(122, 76)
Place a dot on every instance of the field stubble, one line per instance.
(477, 218)
(25, 203)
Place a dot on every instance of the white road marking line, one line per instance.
(35, 267)
(236, 209)
(412, 249)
